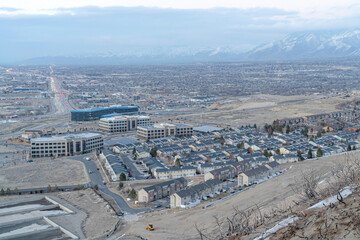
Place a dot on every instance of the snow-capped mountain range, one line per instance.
(296, 46)
(310, 45)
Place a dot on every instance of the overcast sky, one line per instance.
(34, 28)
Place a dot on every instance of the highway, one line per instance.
(60, 100)
(96, 179)
(60, 96)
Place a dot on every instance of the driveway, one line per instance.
(130, 165)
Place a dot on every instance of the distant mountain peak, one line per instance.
(308, 45)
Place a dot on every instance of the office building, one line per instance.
(66, 145)
(90, 114)
(123, 123)
(164, 130)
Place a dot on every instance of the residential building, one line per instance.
(221, 173)
(249, 177)
(151, 164)
(273, 167)
(164, 130)
(227, 171)
(196, 193)
(123, 123)
(114, 165)
(169, 173)
(285, 158)
(161, 190)
(66, 145)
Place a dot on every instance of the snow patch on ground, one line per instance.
(322, 181)
(284, 223)
(344, 193)
(190, 205)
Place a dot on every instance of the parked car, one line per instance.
(158, 205)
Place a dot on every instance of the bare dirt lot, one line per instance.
(42, 173)
(180, 224)
(100, 218)
(263, 109)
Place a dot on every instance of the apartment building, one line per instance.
(66, 145)
(176, 172)
(251, 176)
(161, 190)
(123, 123)
(196, 193)
(164, 130)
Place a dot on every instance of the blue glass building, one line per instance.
(90, 114)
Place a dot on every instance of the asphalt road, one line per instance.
(130, 165)
(96, 178)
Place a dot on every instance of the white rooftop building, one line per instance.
(164, 130)
(123, 123)
(66, 145)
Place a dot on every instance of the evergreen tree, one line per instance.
(122, 177)
(349, 148)
(319, 153)
(305, 131)
(318, 134)
(309, 155)
(240, 145)
(2, 192)
(8, 191)
(134, 151)
(287, 129)
(121, 185)
(177, 163)
(153, 151)
(300, 155)
(266, 153)
(132, 194)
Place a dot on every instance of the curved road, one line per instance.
(96, 178)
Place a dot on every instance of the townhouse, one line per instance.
(221, 173)
(161, 190)
(175, 172)
(113, 165)
(273, 166)
(196, 193)
(251, 176)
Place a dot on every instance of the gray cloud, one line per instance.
(93, 30)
